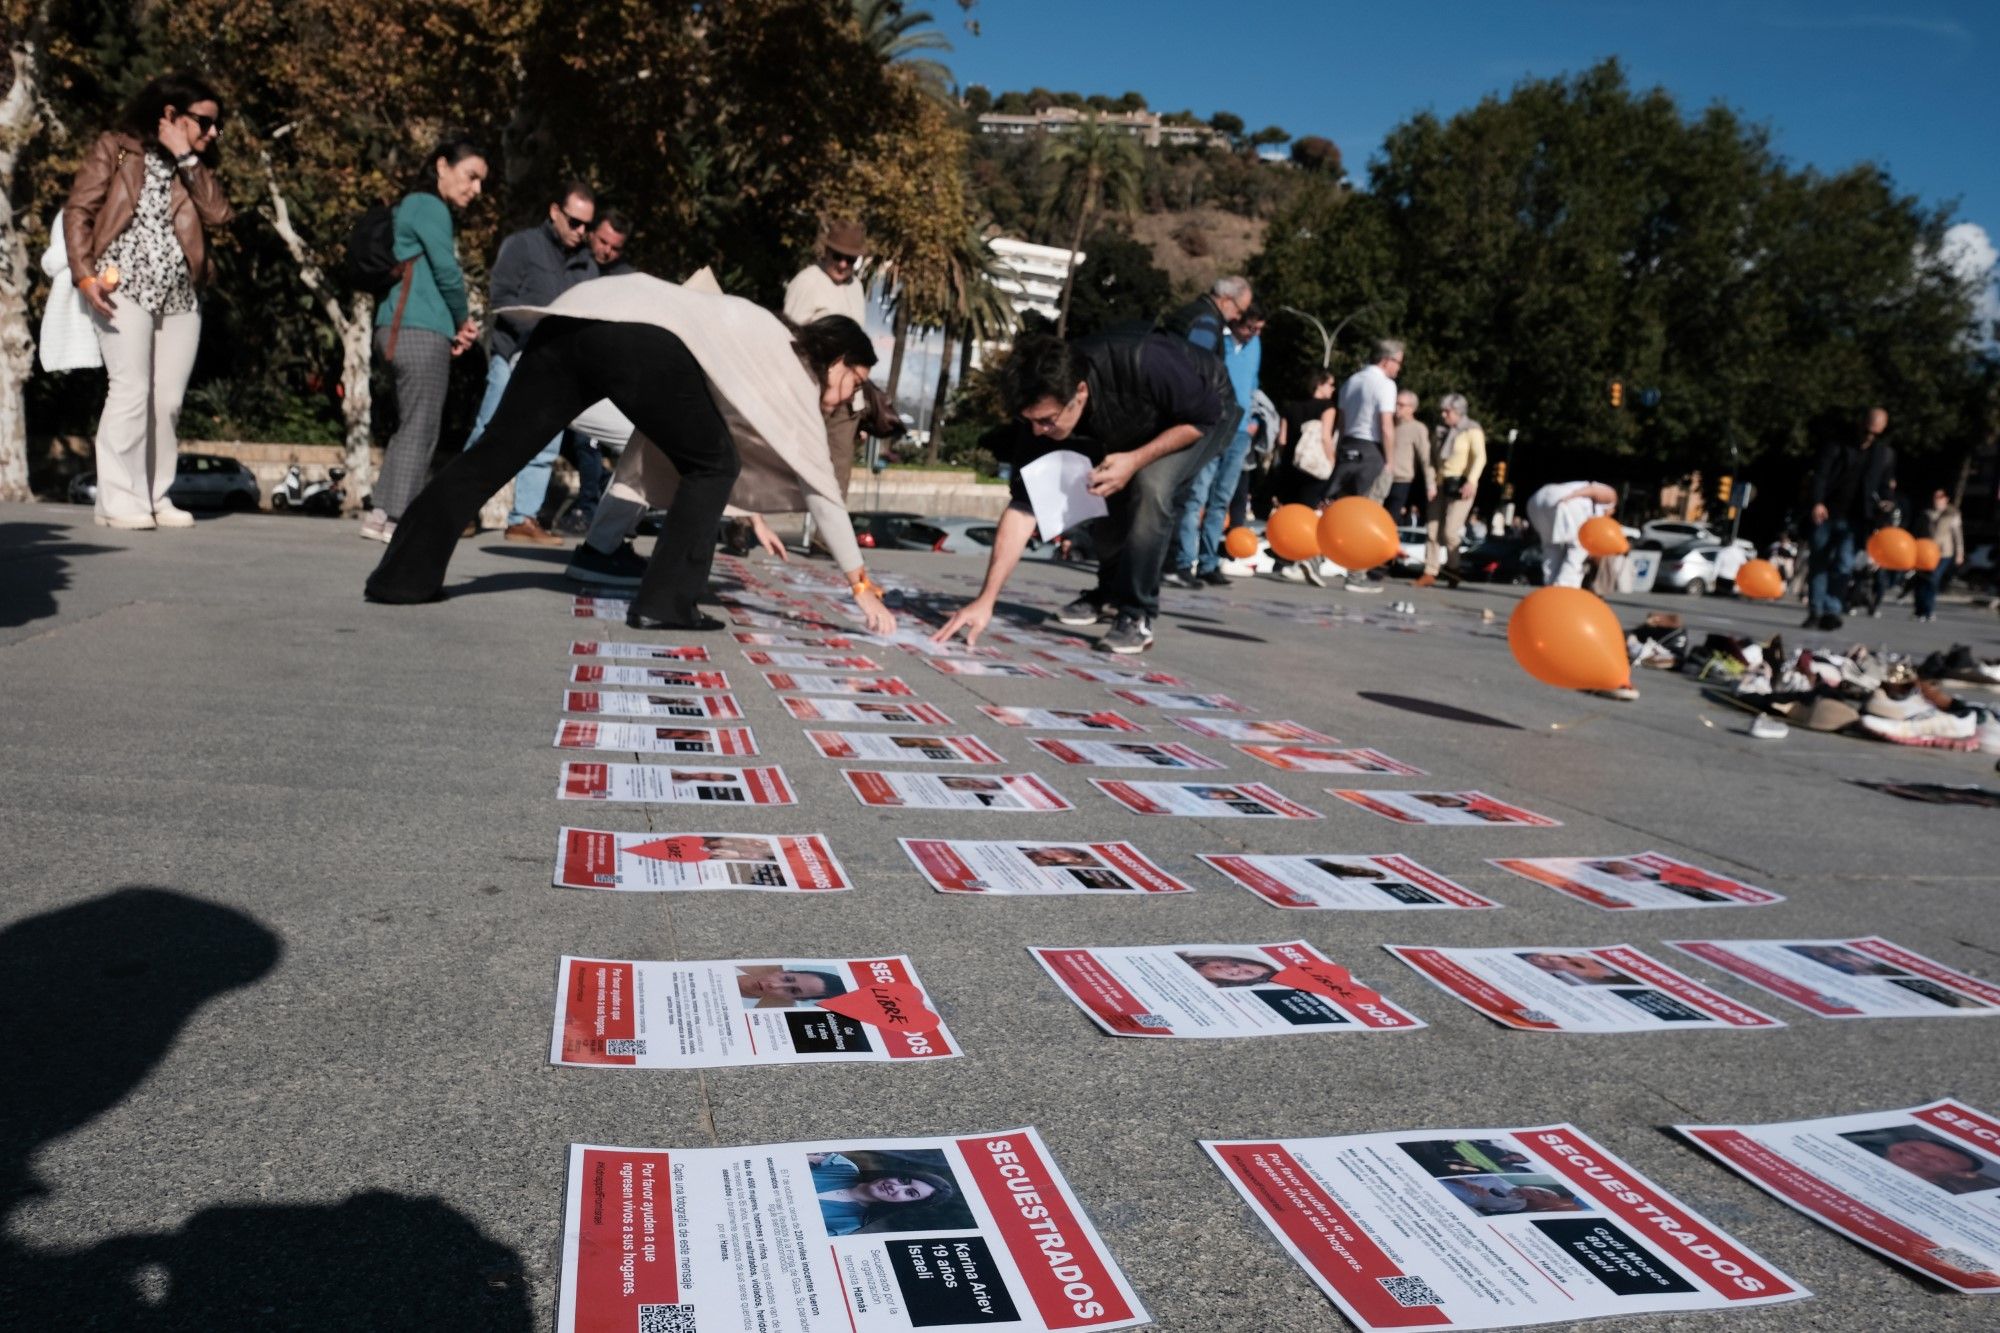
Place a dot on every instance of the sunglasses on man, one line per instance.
(836, 257)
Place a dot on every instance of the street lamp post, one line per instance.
(1327, 341)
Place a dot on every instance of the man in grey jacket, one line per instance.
(534, 267)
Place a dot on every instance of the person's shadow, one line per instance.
(91, 998)
(34, 567)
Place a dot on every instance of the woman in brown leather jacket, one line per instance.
(135, 226)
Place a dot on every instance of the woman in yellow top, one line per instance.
(1451, 477)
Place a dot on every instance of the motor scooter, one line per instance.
(310, 497)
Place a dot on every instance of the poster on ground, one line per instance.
(902, 748)
(1325, 882)
(617, 704)
(944, 1234)
(812, 684)
(1456, 809)
(1573, 989)
(670, 784)
(814, 661)
(1181, 700)
(1037, 868)
(640, 739)
(624, 1013)
(1247, 729)
(1920, 1186)
(865, 710)
(960, 666)
(1642, 881)
(1122, 676)
(651, 678)
(1205, 800)
(1060, 719)
(922, 791)
(1125, 754)
(671, 862)
(822, 642)
(600, 608)
(1327, 759)
(1489, 1228)
(1220, 990)
(1859, 978)
(642, 652)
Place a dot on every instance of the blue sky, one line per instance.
(1911, 87)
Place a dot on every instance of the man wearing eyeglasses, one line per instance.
(534, 267)
(831, 286)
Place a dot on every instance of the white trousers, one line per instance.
(149, 358)
(1562, 565)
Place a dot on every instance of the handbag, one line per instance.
(1452, 488)
(1310, 454)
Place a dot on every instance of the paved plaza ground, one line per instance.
(277, 950)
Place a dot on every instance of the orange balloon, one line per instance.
(1357, 533)
(1241, 543)
(1760, 581)
(1602, 536)
(1293, 532)
(1893, 549)
(1570, 639)
(1929, 554)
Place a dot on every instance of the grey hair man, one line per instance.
(1452, 467)
(1367, 429)
(1412, 442)
(1205, 320)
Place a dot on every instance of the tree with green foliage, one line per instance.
(1118, 283)
(900, 36)
(1227, 122)
(1314, 153)
(1268, 137)
(1095, 167)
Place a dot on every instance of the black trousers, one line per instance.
(568, 364)
(1135, 538)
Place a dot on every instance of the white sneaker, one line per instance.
(1764, 727)
(171, 515)
(1290, 574)
(1988, 734)
(1945, 731)
(127, 523)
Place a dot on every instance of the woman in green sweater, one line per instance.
(420, 331)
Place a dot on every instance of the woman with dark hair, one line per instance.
(721, 389)
(1225, 970)
(135, 224)
(423, 321)
(851, 1199)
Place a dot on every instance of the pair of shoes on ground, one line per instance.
(377, 526)
(1959, 663)
(1181, 578)
(1130, 632)
(166, 516)
(1912, 716)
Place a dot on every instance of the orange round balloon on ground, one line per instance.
(1602, 536)
(1929, 554)
(1893, 548)
(1293, 532)
(1241, 543)
(1357, 533)
(1760, 580)
(1570, 639)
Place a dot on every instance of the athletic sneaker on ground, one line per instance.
(1084, 611)
(623, 568)
(1936, 730)
(1130, 633)
(1361, 583)
(1179, 578)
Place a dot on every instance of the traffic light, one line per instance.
(1500, 473)
(1618, 393)
(1722, 488)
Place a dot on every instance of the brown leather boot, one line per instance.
(1425, 581)
(529, 530)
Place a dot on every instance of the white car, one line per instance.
(1672, 532)
(1692, 568)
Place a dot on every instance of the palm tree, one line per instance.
(976, 310)
(1095, 165)
(895, 36)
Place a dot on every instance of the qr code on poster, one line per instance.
(624, 1046)
(666, 1319)
(1534, 1016)
(1959, 1259)
(1153, 1021)
(1410, 1291)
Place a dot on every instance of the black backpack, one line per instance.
(371, 265)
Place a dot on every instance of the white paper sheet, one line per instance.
(1058, 486)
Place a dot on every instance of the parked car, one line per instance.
(1688, 568)
(1673, 532)
(201, 481)
(971, 536)
(1504, 558)
(882, 531)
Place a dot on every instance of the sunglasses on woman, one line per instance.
(209, 124)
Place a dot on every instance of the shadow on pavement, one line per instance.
(550, 581)
(92, 998)
(1237, 635)
(34, 567)
(1431, 708)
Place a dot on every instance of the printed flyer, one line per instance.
(1859, 978)
(669, 862)
(1243, 729)
(1642, 881)
(640, 739)
(903, 748)
(805, 684)
(1060, 719)
(643, 652)
(1321, 759)
(841, 1236)
(669, 784)
(1219, 990)
(1489, 1228)
(1316, 882)
(1207, 800)
(1174, 699)
(864, 710)
(959, 666)
(821, 642)
(618, 1013)
(1564, 989)
(1473, 809)
(1126, 754)
(651, 705)
(1037, 868)
(600, 608)
(814, 661)
(1919, 1186)
(921, 791)
(653, 678)
(752, 620)
(1115, 676)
